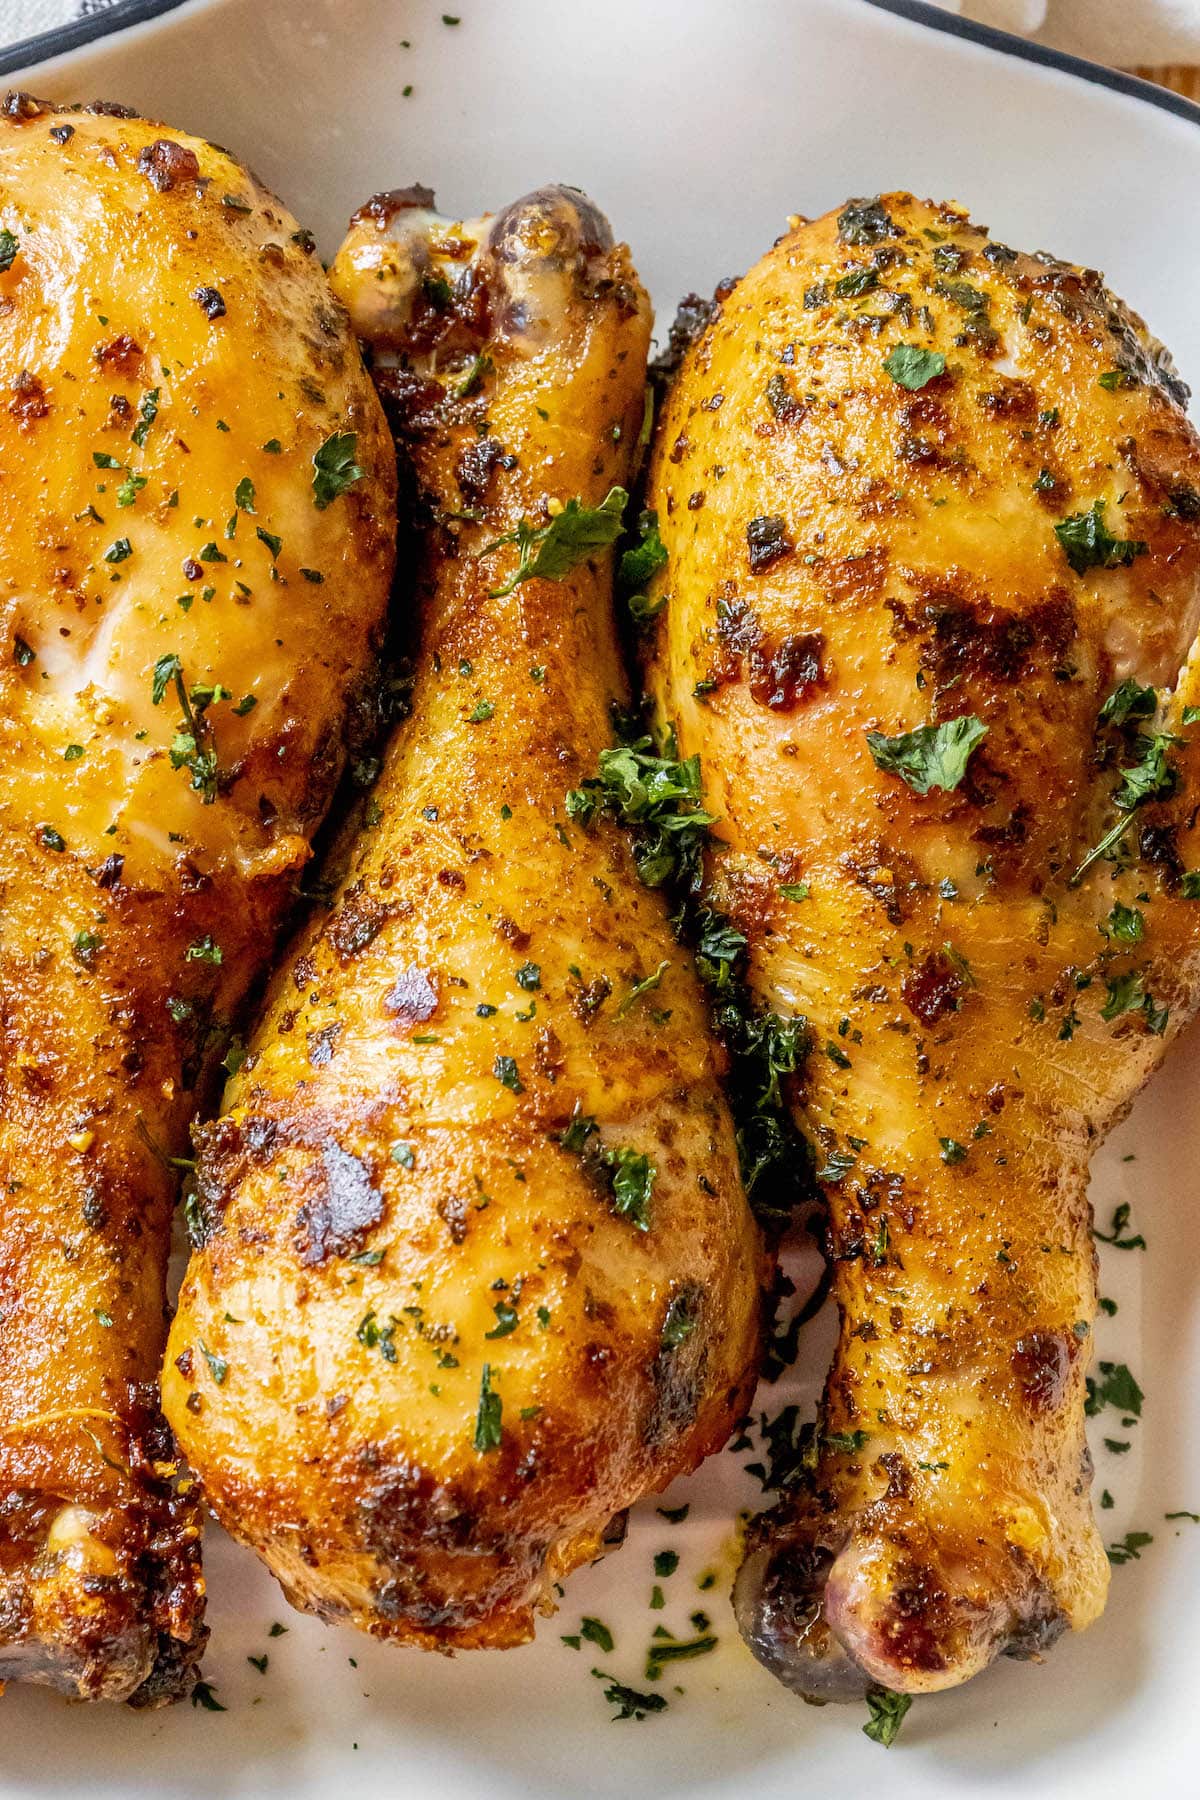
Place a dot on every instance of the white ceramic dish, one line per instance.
(698, 125)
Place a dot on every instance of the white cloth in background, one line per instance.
(1120, 32)
(27, 18)
(1123, 33)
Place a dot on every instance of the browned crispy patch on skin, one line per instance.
(412, 997)
(141, 895)
(782, 671)
(165, 163)
(342, 1205)
(960, 638)
(933, 989)
(925, 427)
(358, 922)
(424, 1435)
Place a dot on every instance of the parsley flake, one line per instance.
(887, 1713)
(334, 468)
(931, 755)
(1087, 542)
(488, 1420)
(549, 552)
(911, 367)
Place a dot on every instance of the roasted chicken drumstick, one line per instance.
(196, 537)
(930, 510)
(478, 1268)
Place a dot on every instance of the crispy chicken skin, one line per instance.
(442, 1331)
(170, 361)
(862, 541)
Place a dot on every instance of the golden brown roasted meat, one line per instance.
(931, 514)
(186, 602)
(479, 1271)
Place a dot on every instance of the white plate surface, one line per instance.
(698, 125)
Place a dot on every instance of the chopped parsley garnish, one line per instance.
(204, 1695)
(481, 366)
(637, 567)
(1087, 542)
(1150, 775)
(481, 712)
(1127, 994)
(911, 367)
(507, 1320)
(665, 1563)
(1126, 924)
(659, 796)
(374, 1336)
(84, 947)
(666, 1650)
(529, 976)
(765, 1048)
(148, 411)
(642, 987)
(633, 1178)
(1130, 1548)
(858, 281)
(1117, 1388)
(192, 747)
(1115, 1235)
(549, 552)
(630, 1174)
(218, 1368)
(577, 1133)
(931, 755)
(887, 1712)
(505, 1070)
(9, 244)
(628, 1702)
(848, 1442)
(597, 1633)
(205, 949)
(488, 1424)
(334, 468)
(952, 1151)
(864, 222)
(679, 1323)
(118, 552)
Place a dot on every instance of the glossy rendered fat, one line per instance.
(423, 1358)
(847, 554)
(170, 361)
